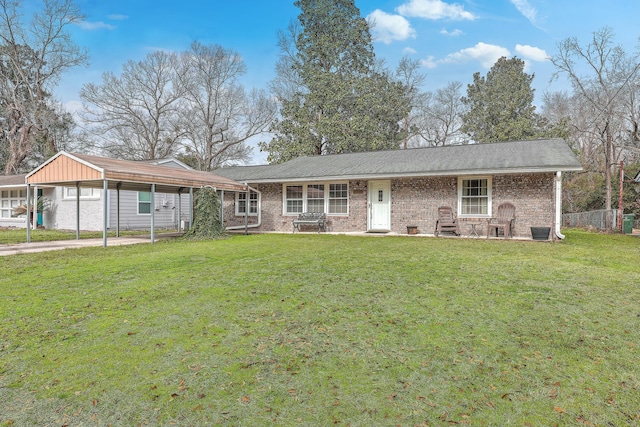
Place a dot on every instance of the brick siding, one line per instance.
(414, 201)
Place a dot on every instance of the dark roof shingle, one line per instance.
(544, 155)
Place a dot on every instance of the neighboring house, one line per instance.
(13, 193)
(135, 206)
(387, 191)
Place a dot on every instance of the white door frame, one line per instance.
(379, 205)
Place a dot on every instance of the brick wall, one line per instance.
(414, 201)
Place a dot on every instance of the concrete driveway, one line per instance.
(26, 248)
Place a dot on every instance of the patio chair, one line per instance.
(504, 221)
(447, 222)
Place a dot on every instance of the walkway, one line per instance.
(26, 248)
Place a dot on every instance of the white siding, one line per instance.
(62, 213)
(7, 203)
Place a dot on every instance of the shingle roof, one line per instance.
(544, 155)
(12, 180)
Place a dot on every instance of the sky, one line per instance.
(451, 39)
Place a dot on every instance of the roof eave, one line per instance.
(470, 172)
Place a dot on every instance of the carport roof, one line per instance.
(67, 169)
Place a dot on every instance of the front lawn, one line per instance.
(320, 330)
(19, 235)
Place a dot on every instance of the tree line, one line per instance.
(330, 95)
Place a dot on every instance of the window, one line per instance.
(294, 199)
(316, 198)
(144, 203)
(85, 193)
(241, 203)
(338, 198)
(10, 199)
(474, 196)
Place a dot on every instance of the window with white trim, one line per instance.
(339, 198)
(474, 196)
(241, 203)
(315, 198)
(11, 199)
(300, 198)
(294, 199)
(85, 193)
(144, 203)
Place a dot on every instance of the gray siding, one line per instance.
(165, 211)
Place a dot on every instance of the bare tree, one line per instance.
(408, 74)
(287, 81)
(439, 116)
(600, 73)
(33, 56)
(137, 115)
(219, 117)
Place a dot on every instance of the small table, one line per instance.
(474, 230)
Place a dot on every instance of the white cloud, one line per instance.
(429, 62)
(73, 107)
(486, 54)
(455, 33)
(98, 25)
(118, 17)
(435, 9)
(526, 10)
(387, 28)
(409, 50)
(532, 53)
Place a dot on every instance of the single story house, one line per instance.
(61, 205)
(13, 193)
(127, 203)
(388, 191)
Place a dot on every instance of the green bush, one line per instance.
(207, 223)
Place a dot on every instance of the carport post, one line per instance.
(246, 210)
(78, 210)
(28, 211)
(179, 209)
(35, 207)
(153, 212)
(105, 206)
(190, 207)
(118, 209)
(222, 208)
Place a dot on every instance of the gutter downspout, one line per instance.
(559, 206)
(259, 223)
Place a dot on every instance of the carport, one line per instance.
(84, 171)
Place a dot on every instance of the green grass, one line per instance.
(19, 235)
(317, 330)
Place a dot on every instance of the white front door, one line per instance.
(379, 206)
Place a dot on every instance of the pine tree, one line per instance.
(343, 102)
(500, 105)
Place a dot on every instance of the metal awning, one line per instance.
(66, 169)
(81, 170)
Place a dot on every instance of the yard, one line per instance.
(320, 330)
(10, 236)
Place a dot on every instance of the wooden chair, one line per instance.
(447, 222)
(504, 221)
